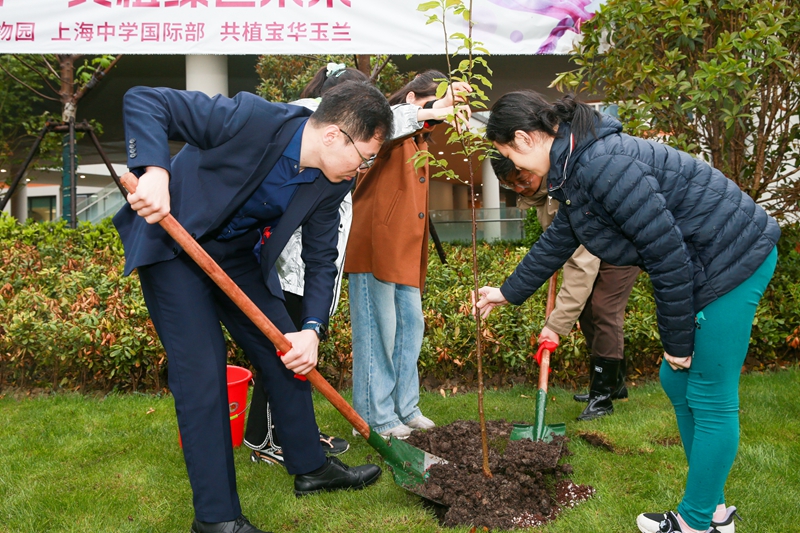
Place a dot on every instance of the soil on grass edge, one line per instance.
(525, 490)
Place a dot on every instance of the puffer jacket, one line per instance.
(632, 201)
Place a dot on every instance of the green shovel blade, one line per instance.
(538, 431)
(409, 464)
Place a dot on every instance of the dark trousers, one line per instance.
(255, 434)
(604, 314)
(187, 308)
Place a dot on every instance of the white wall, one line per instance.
(208, 74)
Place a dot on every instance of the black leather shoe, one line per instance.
(336, 476)
(240, 525)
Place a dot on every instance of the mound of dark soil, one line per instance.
(525, 489)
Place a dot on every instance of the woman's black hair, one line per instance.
(422, 85)
(528, 111)
(324, 80)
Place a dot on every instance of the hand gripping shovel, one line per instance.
(408, 464)
(540, 431)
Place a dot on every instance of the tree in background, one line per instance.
(67, 80)
(28, 82)
(720, 80)
(284, 77)
(17, 108)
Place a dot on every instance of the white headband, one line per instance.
(335, 69)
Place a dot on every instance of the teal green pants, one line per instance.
(706, 396)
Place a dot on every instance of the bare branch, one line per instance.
(789, 174)
(377, 69)
(26, 85)
(36, 71)
(51, 69)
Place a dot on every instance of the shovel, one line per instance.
(408, 464)
(539, 430)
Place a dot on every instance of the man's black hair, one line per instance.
(357, 108)
(503, 167)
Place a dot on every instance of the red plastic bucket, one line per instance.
(238, 383)
(238, 379)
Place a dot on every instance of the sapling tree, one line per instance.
(470, 144)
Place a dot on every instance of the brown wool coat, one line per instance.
(389, 236)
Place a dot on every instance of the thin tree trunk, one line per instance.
(67, 93)
(362, 64)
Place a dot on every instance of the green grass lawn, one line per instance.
(71, 463)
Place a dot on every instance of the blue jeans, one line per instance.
(387, 336)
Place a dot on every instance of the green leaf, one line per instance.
(427, 6)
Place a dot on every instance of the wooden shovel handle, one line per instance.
(210, 267)
(544, 366)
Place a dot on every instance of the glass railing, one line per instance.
(502, 223)
(103, 204)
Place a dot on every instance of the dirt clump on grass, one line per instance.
(525, 490)
(598, 440)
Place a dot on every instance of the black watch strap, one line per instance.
(319, 328)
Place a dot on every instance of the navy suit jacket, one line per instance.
(231, 145)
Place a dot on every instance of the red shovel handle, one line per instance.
(547, 347)
(282, 344)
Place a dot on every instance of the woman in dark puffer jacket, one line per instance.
(709, 250)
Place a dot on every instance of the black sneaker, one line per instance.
(333, 445)
(271, 455)
(274, 454)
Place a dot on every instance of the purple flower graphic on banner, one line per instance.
(569, 13)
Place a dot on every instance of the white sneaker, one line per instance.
(421, 422)
(658, 522)
(400, 432)
(726, 525)
(651, 522)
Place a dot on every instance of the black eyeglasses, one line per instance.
(513, 186)
(365, 163)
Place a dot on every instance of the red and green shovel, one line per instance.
(408, 464)
(539, 430)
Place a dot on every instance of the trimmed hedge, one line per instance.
(69, 319)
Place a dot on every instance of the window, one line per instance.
(42, 208)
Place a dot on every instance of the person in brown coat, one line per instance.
(387, 259)
(593, 292)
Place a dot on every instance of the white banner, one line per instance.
(281, 26)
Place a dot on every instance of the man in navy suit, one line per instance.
(251, 173)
